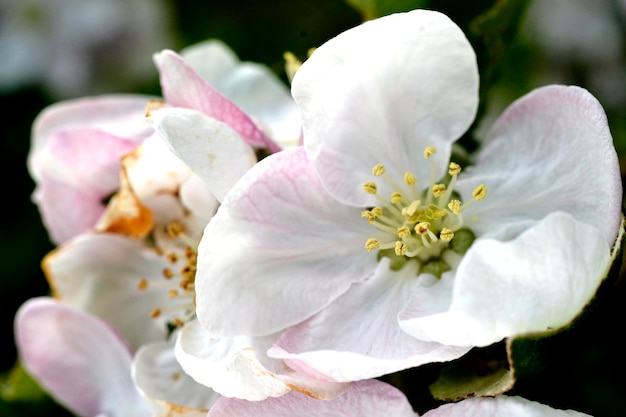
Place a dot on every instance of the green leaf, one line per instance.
(481, 372)
(371, 9)
(17, 385)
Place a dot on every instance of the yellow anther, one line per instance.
(455, 207)
(376, 211)
(409, 178)
(400, 248)
(480, 192)
(167, 273)
(378, 170)
(439, 189)
(178, 322)
(422, 228)
(404, 232)
(292, 64)
(370, 187)
(454, 168)
(367, 214)
(174, 229)
(142, 284)
(446, 234)
(396, 198)
(172, 293)
(429, 151)
(372, 244)
(155, 313)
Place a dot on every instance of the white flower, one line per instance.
(369, 251)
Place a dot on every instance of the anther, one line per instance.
(455, 207)
(167, 273)
(370, 187)
(454, 169)
(409, 179)
(429, 151)
(404, 232)
(378, 170)
(174, 229)
(155, 313)
(439, 190)
(401, 248)
(396, 198)
(142, 284)
(480, 192)
(372, 244)
(446, 234)
(422, 228)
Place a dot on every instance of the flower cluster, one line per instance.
(234, 249)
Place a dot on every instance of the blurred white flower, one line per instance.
(72, 47)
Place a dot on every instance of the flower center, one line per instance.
(178, 278)
(420, 225)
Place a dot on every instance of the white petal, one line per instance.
(499, 406)
(278, 236)
(230, 366)
(550, 150)
(381, 93)
(99, 273)
(166, 386)
(539, 281)
(77, 358)
(212, 60)
(366, 399)
(358, 336)
(209, 147)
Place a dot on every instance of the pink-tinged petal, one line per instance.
(254, 88)
(183, 87)
(230, 366)
(550, 150)
(166, 387)
(277, 224)
(66, 210)
(100, 273)
(380, 93)
(74, 158)
(374, 345)
(117, 115)
(498, 407)
(489, 300)
(370, 398)
(212, 149)
(77, 358)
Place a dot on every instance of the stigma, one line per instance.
(420, 221)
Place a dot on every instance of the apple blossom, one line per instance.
(369, 251)
(74, 158)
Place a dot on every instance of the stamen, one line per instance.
(429, 151)
(401, 248)
(454, 169)
(167, 273)
(409, 179)
(378, 170)
(142, 284)
(480, 192)
(446, 234)
(370, 187)
(455, 207)
(396, 198)
(404, 232)
(372, 244)
(439, 190)
(422, 228)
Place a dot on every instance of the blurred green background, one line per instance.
(520, 45)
